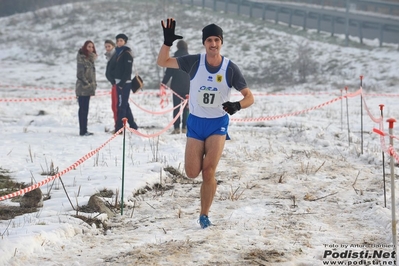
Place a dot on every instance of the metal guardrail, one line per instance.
(382, 7)
(322, 19)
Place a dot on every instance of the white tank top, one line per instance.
(209, 91)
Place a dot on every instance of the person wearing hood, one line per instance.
(110, 75)
(180, 84)
(123, 79)
(86, 83)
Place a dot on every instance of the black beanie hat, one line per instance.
(121, 36)
(212, 30)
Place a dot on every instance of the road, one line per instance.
(371, 24)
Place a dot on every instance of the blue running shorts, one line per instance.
(202, 128)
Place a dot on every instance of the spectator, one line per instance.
(180, 84)
(86, 83)
(123, 80)
(110, 74)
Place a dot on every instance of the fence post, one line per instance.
(342, 110)
(277, 13)
(347, 23)
(226, 6)
(318, 22)
(290, 19)
(381, 35)
(391, 121)
(305, 18)
(347, 116)
(360, 27)
(264, 11)
(383, 162)
(361, 115)
(123, 162)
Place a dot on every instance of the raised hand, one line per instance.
(169, 32)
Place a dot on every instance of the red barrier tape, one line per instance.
(166, 87)
(297, 112)
(390, 151)
(182, 107)
(90, 154)
(36, 88)
(163, 93)
(73, 166)
(164, 99)
(60, 89)
(156, 113)
(38, 99)
(47, 99)
(374, 119)
(380, 132)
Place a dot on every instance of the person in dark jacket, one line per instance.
(86, 83)
(110, 55)
(123, 80)
(180, 84)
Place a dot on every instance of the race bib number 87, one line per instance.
(208, 98)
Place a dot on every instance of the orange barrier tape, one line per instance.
(163, 85)
(390, 151)
(60, 89)
(182, 107)
(164, 99)
(254, 93)
(381, 95)
(73, 166)
(157, 113)
(153, 93)
(35, 88)
(382, 133)
(393, 153)
(297, 112)
(314, 94)
(379, 132)
(288, 93)
(47, 98)
(39, 99)
(374, 119)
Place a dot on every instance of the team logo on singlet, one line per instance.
(219, 78)
(207, 88)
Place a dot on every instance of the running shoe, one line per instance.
(204, 221)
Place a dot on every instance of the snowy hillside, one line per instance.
(294, 187)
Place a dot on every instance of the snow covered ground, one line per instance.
(294, 187)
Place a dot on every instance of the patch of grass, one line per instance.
(106, 193)
(90, 221)
(263, 257)
(9, 212)
(7, 185)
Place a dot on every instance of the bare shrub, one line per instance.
(304, 65)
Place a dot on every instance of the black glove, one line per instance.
(231, 108)
(169, 32)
